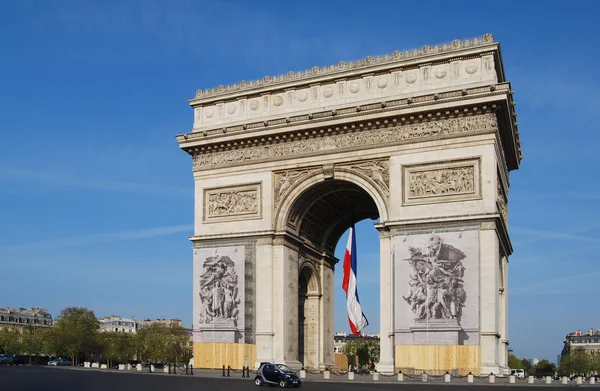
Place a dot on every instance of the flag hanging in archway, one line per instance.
(356, 318)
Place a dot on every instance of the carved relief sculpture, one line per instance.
(285, 180)
(239, 201)
(335, 142)
(218, 290)
(436, 282)
(454, 180)
(502, 204)
(378, 171)
(457, 180)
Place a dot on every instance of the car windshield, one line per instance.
(284, 368)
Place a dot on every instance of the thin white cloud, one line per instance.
(583, 195)
(100, 238)
(54, 180)
(555, 292)
(536, 235)
(557, 282)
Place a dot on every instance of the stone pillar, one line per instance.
(264, 311)
(278, 300)
(386, 305)
(285, 303)
(312, 330)
(489, 300)
(326, 315)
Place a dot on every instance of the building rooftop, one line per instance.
(35, 311)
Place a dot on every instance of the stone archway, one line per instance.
(424, 140)
(309, 304)
(318, 213)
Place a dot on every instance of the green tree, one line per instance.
(526, 365)
(514, 362)
(544, 368)
(161, 344)
(11, 341)
(52, 344)
(116, 347)
(367, 351)
(77, 331)
(577, 362)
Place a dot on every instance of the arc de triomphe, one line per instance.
(420, 141)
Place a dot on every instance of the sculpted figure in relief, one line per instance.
(502, 203)
(436, 284)
(442, 181)
(232, 203)
(376, 170)
(285, 180)
(347, 140)
(219, 290)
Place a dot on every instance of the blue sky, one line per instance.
(96, 198)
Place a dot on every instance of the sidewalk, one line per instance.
(343, 378)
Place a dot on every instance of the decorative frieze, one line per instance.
(447, 181)
(233, 203)
(353, 139)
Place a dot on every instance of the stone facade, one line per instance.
(422, 141)
(118, 324)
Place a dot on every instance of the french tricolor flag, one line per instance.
(357, 319)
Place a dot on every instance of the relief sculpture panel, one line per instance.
(293, 148)
(232, 203)
(219, 286)
(436, 280)
(458, 180)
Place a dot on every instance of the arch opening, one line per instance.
(318, 218)
(322, 213)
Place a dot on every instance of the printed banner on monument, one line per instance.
(436, 284)
(219, 294)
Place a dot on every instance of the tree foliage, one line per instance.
(11, 341)
(77, 335)
(76, 331)
(367, 351)
(578, 362)
(544, 368)
(160, 344)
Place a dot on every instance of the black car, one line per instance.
(276, 374)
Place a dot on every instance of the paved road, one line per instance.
(66, 379)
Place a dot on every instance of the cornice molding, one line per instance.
(268, 81)
(193, 140)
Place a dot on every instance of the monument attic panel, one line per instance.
(407, 58)
(462, 63)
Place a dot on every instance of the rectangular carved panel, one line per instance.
(436, 281)
(219, 294)
(233, 203)
(442, 182)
